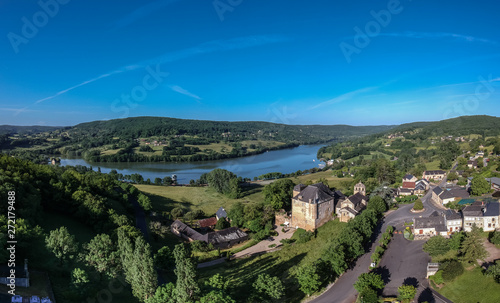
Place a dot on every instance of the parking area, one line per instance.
(404, 262)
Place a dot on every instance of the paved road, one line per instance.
(343, 291)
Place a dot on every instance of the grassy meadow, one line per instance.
(472, 286)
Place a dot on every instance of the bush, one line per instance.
(418, 205)
(451, 270)
(302, 236)
(222, 224)
(494, 237)
(438, 277)
(177, 212)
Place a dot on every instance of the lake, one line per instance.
(284, 161)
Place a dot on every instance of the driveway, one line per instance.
(403, 262)
(263, 246)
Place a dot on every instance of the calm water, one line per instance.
(284, 161)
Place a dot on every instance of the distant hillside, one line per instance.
(460, 126)
(140, 127)
(23, 130)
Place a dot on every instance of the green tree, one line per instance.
(221, 224)
(494, 271)
(217, 281)
(406, 293)
(494, 237)
(456, 240)
(163, 294)
(451, 269)
(384, 171)
(436, 246)
(377, 203)
(223, 181)
(237, 214)
(102, 255)
(472, 247)
(186, 286)
(164, 259)
(479, 186)
(368, 295)
(336, 257)
(452, 176)
(309, 279)
(62, 244)
(270, 286)
(369, 280)
(279, 193)
(79, 280)
(418, 205)
(177, 212)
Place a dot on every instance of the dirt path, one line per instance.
(493, 252)
(263, 245)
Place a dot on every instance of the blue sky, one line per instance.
(295, 62)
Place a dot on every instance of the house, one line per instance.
(220, 239)
(495, 182)
(430, 226)
(460, 173)
(404, 191)
(207, 223)
(453, 221)
(227, 237)
(409, 181)
(491, 215)
(221, 213)
(313, 205)
(472, 164)
(352, 206)
(448, 194)
(421, 186)
(436, 175)
(473, 214)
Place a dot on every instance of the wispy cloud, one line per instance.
(440, 35)
(183, 91)
(142, 12)
(345, 97)
(204, 48)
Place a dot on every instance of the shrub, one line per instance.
(451, 270)
(418, 205)
(494, 237)
(272, 245)
(222, 224)
(438, 277)
(177, 212)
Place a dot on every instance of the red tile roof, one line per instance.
(208, 222)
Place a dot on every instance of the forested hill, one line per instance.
(460, 126)
(143, 127)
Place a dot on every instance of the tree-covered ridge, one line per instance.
(13, 129)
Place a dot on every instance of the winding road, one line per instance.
(342, 291)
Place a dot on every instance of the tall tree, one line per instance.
(369, 280)
(309, 279)
(472, 247)
(279, 193)
(270, 286)
(102, 255)
(62, 244)
(186, 286)
(479, 186)
(436, 246)
(145, 278)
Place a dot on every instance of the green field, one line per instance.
(243, 272)
(472, 287)
(164, 198)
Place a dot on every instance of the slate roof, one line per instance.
(315, 194)
(356, 200)
(408, 177)
(492, 209)
(208, 222)
(472, 211)
(221, 213)
(420, 186)
(452, 215)
(299, 187)
(437, 190)
(454, 193)
(435, 221)
(494, 180)
(188, 231)
(405, 190)
(226, 235)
